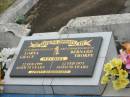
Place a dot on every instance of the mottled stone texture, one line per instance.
(20, 7)
(119, 24)
(11, 33)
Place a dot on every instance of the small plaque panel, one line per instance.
(73, 57)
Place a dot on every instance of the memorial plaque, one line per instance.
(71, 57)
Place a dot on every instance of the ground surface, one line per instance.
(51, 15)
(4, 4)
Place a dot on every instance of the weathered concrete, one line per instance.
(18, 30)
(10, 34)
(7, 25)
(119, 24)
(8, 39)
(127, 7)
(19, 8)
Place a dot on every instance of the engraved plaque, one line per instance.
(72, 57)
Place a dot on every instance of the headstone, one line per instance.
(69, 64)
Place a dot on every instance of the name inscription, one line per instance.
(57, 57)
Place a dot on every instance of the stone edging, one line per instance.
(119, 24)
(20, 7)
(10, 32)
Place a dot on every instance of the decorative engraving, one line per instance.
(57, 57)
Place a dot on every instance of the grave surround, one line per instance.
(60, 85)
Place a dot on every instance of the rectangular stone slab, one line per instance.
(68, 86)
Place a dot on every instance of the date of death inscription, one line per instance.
(73, 57)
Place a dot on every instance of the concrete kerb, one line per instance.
(7, 23)
(20, 7)
(119, 24)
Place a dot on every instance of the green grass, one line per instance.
(4, 4)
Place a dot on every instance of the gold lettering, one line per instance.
(53, 58)
(48, 71)
(56, 42)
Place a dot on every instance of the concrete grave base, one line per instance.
(64, 85)
(119, 24)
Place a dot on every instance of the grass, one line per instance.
(4, 4)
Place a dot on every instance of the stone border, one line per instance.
(10, 32)
(119, 24)
(20, 7)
